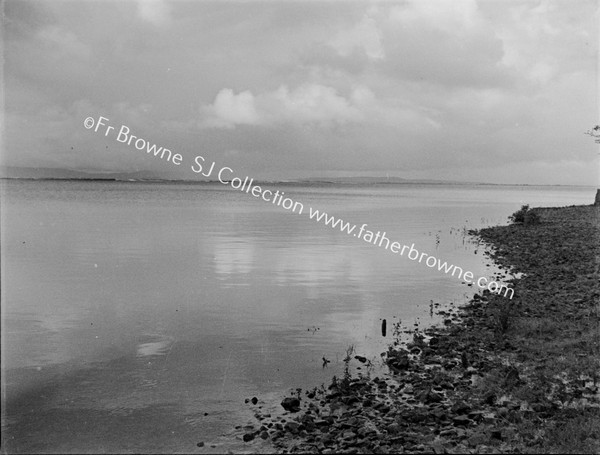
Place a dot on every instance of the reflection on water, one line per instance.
(159, 345)
(233, 256)
(137, 317)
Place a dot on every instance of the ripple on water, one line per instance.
(155, 345)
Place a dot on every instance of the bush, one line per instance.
(519, 215)
(531, 218)
(525, 215)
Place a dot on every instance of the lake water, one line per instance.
(137, 317)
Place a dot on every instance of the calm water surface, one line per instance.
(137, 317)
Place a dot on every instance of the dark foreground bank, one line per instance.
(518, 375)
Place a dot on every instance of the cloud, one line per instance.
(542, 42)
(315, 105)
(444, 43)
(312, 103)
(450, 44)
(365, 37)
(307, 104)
(156, 12)
(230, 109)
(456, 17)
(64, 44)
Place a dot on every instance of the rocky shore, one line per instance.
(500, 375)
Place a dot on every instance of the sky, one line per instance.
(462, 90)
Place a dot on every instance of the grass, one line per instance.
(573, 432)
(503, 318)
(553, 328)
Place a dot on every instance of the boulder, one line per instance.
(291, 404)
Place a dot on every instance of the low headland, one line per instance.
(500, 375)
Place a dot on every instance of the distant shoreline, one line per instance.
(340, 182)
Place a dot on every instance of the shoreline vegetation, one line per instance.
(500, 375)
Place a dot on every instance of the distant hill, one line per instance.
(13, 172)
(67, 174)
(364, 180)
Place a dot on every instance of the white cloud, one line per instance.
(454, 17)
(313, 104)
(156, 12)
(364, 36)
(309, 103)
(230, 109)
